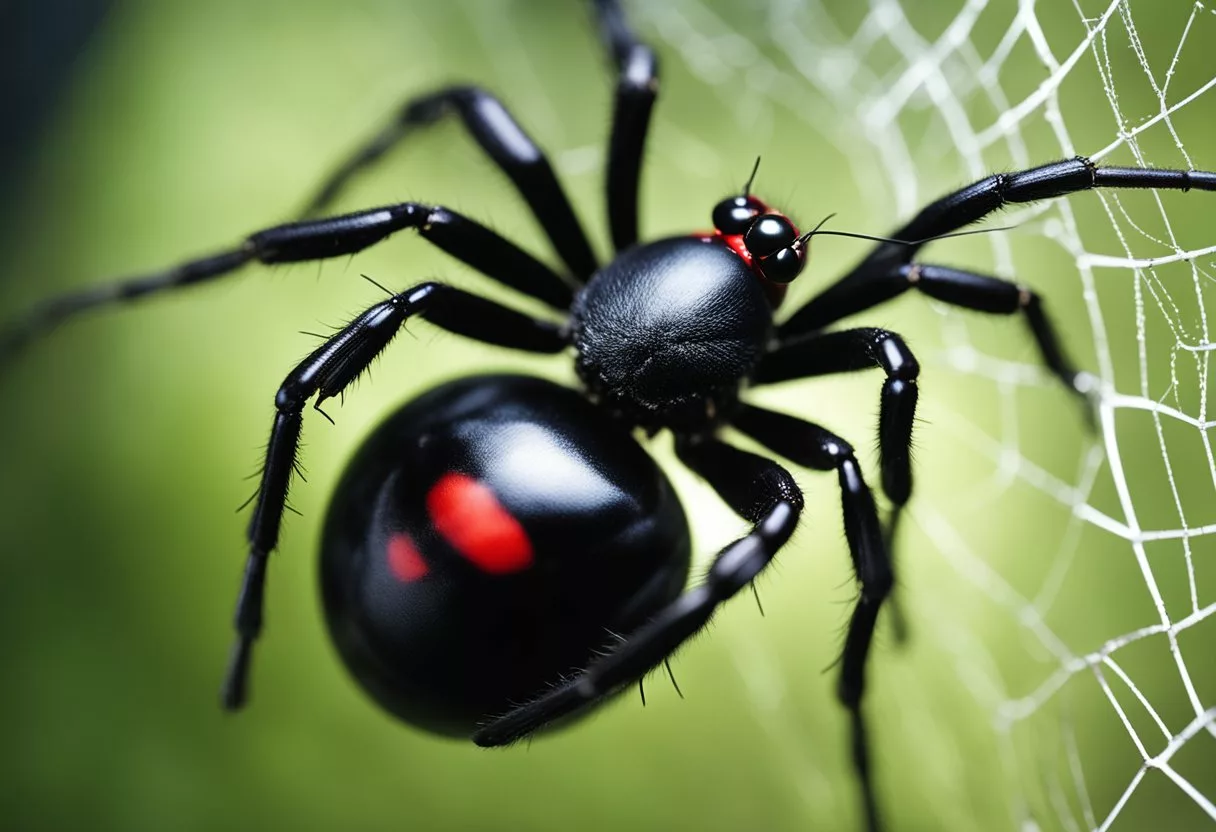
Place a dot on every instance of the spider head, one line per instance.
(734, 215)
(767, 240)
(777, 251)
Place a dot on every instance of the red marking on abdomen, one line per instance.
(469, 516)
(405, 560)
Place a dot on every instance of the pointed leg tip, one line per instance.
(899, 629)
(487, 737)
(1085, 383)
(1088, 388)
(234, 692)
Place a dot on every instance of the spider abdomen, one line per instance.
(488, 539)
(667, 331)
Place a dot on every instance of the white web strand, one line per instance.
(810, 67)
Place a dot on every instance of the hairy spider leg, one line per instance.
(326, 373)
(888, 271)
(637, 86)
(499, 135)
(860, 349)
(321, 239)
(814, 447)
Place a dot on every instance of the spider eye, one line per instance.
(783, 266)
(769, 234)
(734, 215)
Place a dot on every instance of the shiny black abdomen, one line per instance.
(668, 331)
(487, 539)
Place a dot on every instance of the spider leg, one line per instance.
(814, 447)
(636, 88)
(965, 289)
(318, 239)
(976, 201)
(506, 143)
(326, 373)
(874, 280)
(979, 199)
(879, 277)
(861, 349)
(758, 489)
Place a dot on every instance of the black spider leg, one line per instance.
(758, 489)
(493, 128)
(320, 239)
(888, 270)
(814, 447)
(637, 86)
(861, 349)
(326, 373)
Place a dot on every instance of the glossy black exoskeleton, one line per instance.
(501, 554)
(666, 332)
(579, 536)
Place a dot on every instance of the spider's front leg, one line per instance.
(758, 489)
(889, 271)
(508, 145)
(975, 201)
(326, 373)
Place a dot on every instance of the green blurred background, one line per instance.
(187, 125)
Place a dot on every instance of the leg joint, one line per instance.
(292, 395)
(639, 72)
(893, 355)
(432, 107)
(837, 452)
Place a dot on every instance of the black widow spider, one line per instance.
(501, 554)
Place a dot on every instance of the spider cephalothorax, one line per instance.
(502, 554)
(667, 331)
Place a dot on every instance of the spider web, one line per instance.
(1111, 627)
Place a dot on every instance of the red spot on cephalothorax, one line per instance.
(735, 243)
(469, 517)
(775, 292)
(732, 241)
(405, 560)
